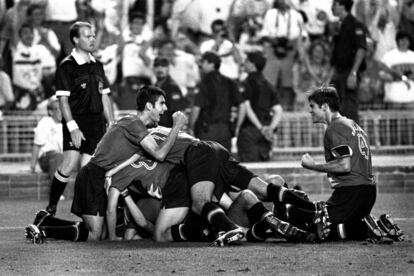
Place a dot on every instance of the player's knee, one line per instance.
(275, 179)
(247, 196)
(160, 236)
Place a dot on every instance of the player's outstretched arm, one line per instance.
(127, 162)
(340, 165)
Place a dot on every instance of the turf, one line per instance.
(19, 257)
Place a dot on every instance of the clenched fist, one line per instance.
(179, 119)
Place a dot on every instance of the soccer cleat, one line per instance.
(280, 227)
(35, 234)
(40, 217)
(321, 221)
(390, 228)
(229, 237)
(51, 209)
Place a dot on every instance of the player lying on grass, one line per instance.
(349, 168)
(246, 211)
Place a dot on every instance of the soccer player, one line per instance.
(121, 141)
(224, 173)
(349, 168)
(149, 178)
(83, 93)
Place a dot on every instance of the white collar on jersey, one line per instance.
(79, 59)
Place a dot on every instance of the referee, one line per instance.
(82, 90)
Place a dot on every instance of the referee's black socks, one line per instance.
(59, 183)
(279, 194)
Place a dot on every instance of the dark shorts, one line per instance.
(93, 128)
(90, 196)
(350, 204)
(176, 192)
(210, 161)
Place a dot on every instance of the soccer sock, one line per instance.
(299, 217)
(192, 229)
(216, 217)
(257, 232)
(279, 194)
(356, 231)
(77, 232)
(59, 183)
(54, 221)
(257, 212)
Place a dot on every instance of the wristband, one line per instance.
(125, 193)
(72, 125)
(404, 78)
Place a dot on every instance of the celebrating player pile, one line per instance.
(176, 187)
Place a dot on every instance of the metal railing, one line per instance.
(385, 128)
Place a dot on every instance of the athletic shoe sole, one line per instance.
(228, 238)
(36, 235)
(392, 230)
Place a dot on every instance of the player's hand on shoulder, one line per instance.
(179, 119)
(77, 137)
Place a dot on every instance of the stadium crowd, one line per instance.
(294, 35)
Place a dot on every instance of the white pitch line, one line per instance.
(5, 228)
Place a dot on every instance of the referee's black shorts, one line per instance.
(90, 196)
(93, 128)
(350, 204)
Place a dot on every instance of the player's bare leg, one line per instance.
(95, 225)
(165, 220)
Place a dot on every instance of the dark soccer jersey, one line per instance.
(177, 152)
(120, 142)
(82, 84)
(343, 131)
(146, 176)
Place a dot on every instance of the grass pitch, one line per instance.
(19, 257)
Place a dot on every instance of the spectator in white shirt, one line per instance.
(47, 144)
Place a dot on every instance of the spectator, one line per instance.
(210, 115)
(319, 15)
(46, 37)
(135, 57)
(47, 144)
(6, 90)
(313, 71)
(183, 67)
(185, 44)
(263, 110)
(30, 63)
(348, 56)
(371, 87)
(59, 16)
(173, 96)
(399, 92)
(224, 48)
(383, 27)
(272, 63)
(406, 23)
(249, 36)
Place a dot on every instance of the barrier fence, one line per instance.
(385, 128)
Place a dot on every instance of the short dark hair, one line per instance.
(75, 27)
(134, 15)
(346, 3)
(25, 26)
(212, 58)
(401, 35)
(161, 61)
(148, 94)
(33, 7)
(257, 59)
(217, 22)
(325, 94)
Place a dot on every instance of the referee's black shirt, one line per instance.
(80, 81)
(351, 37)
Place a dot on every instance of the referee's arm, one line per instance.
(76, 134)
